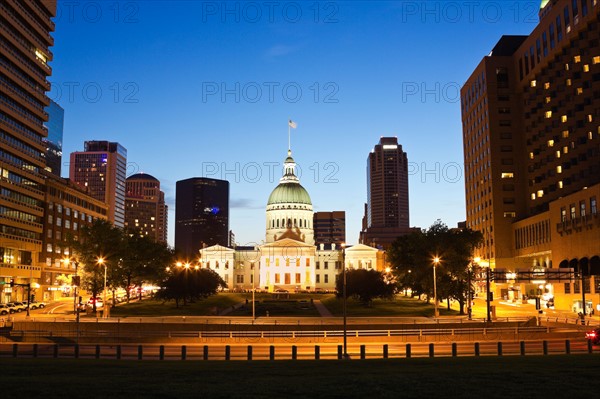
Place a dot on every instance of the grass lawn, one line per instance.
(572, 376)
(204, 307)
(279, 307)
(400, 306)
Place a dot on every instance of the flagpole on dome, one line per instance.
(291, 125)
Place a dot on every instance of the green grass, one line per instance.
(400, 306)
(203, 307)
(572, 376)
(279, 307)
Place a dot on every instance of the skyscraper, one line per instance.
(54, 125)
(25, 43)
(386, 212)
(531, 143)
(145, 208)
(330, 227)
(101, 169)
(201, 215)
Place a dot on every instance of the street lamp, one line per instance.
(469, 292)
(253, 290)
(344, 301)
(436, 261)
(102, 262)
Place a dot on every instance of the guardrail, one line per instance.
(295, 352)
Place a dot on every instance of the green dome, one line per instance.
(289, 193)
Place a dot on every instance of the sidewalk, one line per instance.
(230, 309)
(323, 311)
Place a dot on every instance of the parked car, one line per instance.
(37, 305)
(594, 336)
(17, 306)
(98, 301)
(4, 310)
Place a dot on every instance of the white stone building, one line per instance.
(288, 259)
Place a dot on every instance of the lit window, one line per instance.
(548, 114)
(557, 154)
(565, 134)
(586, 68)
(533, 83)
(565, 150)
(590, 136)
(507, 175)
(559, 169)
(550, 143)
(540, 193)
(532, 196)
(590, 118)
(560, 184)
(577, 59)
(579, 91)
(546, 85)
(548, 99)
(510, 214)
(569, 82)
(566, 67)
(563, 118)
(596, 60)
(531, 155)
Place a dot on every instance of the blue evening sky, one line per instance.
(195, 88)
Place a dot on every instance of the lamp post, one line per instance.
(487, 293)
(344, 301)
(436, 261)
(102, 262)
(469, 287)
(253, 290)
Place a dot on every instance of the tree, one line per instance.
(189, 284)
(100, 240)
(412, 259)
(146, 261)
(364, 285)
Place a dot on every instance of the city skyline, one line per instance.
(112, 70)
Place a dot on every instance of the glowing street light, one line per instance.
(344, 301)
(105, 306)
(436, 261)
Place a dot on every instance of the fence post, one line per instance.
(271, 352)
(385, 351)
(522, 348)
(340, 350)
(97, 351)
(408, 354)
(499, 348)
(118, 352)
(205, 353)
(161, 352)
(476, 348)
(227, 352)
(545, 347)
(183, 352)
(76, 354)
(317, 352)
(55, 354)
(589, 346)
(35, 350)
(249, 352)
(454, 349)
(140, 352)
(294, 352)
(15, 350)
(567, 347)
(363, 353)
(431, 350)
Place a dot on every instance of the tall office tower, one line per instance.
(25, 42)
(201, 215)
(145, 208)
(101, 169)
(330, 227)
(387, 215)
(53, 143)
(531, 138)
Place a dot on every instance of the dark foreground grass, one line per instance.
(203, 307)
(400, 306)
(574, 376)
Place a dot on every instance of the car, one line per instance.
(37, 305)
(4, 310)
(593, 336)
(98, 301)
(17, 306)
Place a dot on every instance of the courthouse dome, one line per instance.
(289, 190)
